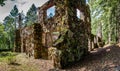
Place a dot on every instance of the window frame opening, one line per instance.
(50, 12)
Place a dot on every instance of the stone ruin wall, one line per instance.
(73, 33)
(64, 38)
(27, 39)
(31, 41)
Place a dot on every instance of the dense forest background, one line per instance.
(104, 16)
(105, 19)
(10, 24)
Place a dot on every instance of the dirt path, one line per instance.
(102, 59)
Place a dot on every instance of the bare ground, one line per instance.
(102, 59)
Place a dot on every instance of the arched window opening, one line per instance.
(86, 1)
(51, 12)
(78, 13)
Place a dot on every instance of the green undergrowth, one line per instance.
(7, 57)
(14, 62)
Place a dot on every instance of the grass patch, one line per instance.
(14, 62)
(23, 68)
(7, 56)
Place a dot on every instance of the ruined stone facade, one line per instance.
(63, 37)
(29, 40)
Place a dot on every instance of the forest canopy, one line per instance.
(105, 15)
(10, 24)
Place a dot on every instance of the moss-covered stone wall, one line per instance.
(72, 33)
(39, 50)
(27, 40)
(31, 41)
(64, 37)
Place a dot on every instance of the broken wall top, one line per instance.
(65, 17)
(50, 3)
(62, 11)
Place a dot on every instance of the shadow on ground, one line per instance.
(101, 59)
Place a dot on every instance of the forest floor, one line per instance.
(102, 59)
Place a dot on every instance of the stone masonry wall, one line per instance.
(27, 40)
(31, 41)
(64, 38)
(72, 33)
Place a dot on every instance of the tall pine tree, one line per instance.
(10, 25)
(106, 12)
(31, 15)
